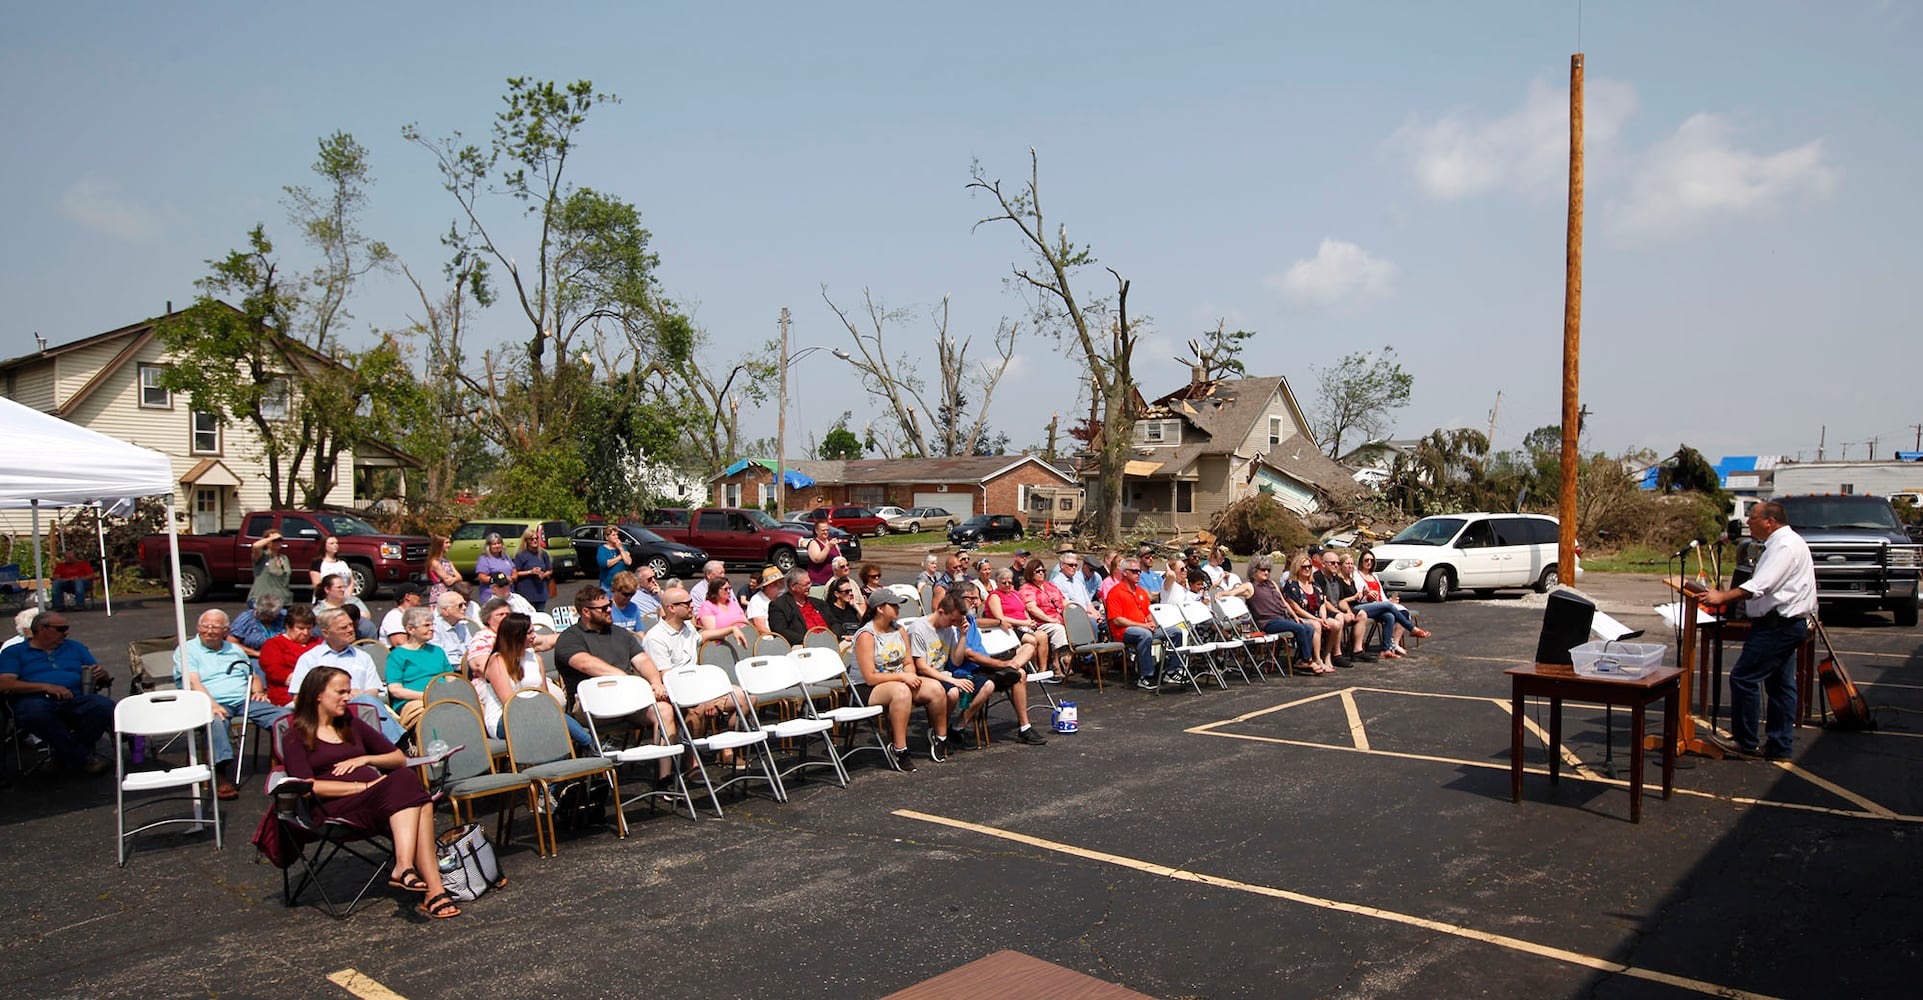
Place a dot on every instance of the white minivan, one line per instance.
(1445, 553)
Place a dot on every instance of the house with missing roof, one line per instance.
(110, 383)
(1213, 442)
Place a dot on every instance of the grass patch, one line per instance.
(922, 539)
(1628, 559)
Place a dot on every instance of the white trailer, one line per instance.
(1873, 478)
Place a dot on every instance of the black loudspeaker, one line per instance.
(1565, 625)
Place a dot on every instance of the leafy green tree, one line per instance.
(1358, 395)
(840, 442)
(1217, 353)
(1688, 471)
(543, 483)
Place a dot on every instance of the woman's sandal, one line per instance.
(1421, 633)
(410, 880)
(439, 907)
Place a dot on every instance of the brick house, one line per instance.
(963, 485)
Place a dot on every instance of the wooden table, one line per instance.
(1556, 683)
(1013, 974)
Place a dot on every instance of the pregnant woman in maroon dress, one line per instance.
(360, 778)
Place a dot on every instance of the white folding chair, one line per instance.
(777, 678)
(822, 670)
(1178, 646)
(700, 683)
(1233, 615)
(562, 617)
(1202, 623)
(624, 697)
(164, 713)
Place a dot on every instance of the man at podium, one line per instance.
(1778, 598)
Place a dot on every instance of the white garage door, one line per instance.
(961, 505)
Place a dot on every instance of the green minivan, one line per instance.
(468, 539)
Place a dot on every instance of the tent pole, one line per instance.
(106, 572)
(39, 592)
(173, 556)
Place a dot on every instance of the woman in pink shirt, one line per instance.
(1044, 603)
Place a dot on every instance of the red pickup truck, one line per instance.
(739, 535)
(227, 559)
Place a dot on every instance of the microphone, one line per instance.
(1685, 550)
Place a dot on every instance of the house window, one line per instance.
(1184, 497)
(206, 433)
(731, 494)
(1152, 431)
(1158, 432)
(869, 496)
(276, 400)
(153, 396)
(1275, 431)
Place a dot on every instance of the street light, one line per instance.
(781, 416)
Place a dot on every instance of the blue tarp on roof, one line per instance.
(797, 480)
(794, 479)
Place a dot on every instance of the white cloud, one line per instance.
(95, 203)
(1527, 150)
(1340, 272)
(1697, 173)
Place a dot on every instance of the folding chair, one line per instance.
(623, 697)
(647, 622)
(454, 687)
(540, 748)
(771, 645)
(164, 713)
(698, 684)
(1232, 616)
(23, 742)
(562, 616)
(376, 650)
(998, 642)
(541, 621)
(778, 677)
(719, 654)
(821, 638)
(11, 592)
(470, 774)
(1081, 640)
(320, 842)
(823, 671)
(1203, 625)
(1177, 645)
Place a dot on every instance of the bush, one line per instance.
(1259, 524)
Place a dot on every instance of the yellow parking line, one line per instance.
(1568, 756)
(1356, 732)
(362, 986)
(1391, 916)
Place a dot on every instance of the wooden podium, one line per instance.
(1685, 730)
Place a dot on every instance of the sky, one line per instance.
(1334, 177)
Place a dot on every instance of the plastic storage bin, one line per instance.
(1617, 659)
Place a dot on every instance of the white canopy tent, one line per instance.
(47, 462)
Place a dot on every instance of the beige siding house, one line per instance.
(1211, 443)
(109, 383)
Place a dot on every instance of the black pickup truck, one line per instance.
(1864, 558)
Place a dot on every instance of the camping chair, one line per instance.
(23, 742)
(314, 843)
(540, 748)
(1178, 647)
(454, 687)
(151, 662)
(1081, 640)
(624, 697)
(697, 684)
(11, 592)
(1232, 615)
(777, 678)
(1203, 625)
(823, 670)
(164, 713)
(470, 773)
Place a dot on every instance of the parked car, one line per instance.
(470, 539)
(985, 528)
(887, 511)
(667, 559)
(739, 536)
(1482, 552)
(226, 559)
(850, 544)
(922, 519)
(1864, 558)
(859, 521)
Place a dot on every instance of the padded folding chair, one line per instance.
(777, 677)
(719, 654)
(624, 697)
(470, 773)
(1082, 642)
(698, 684)
(164, 713)
(376, 650)
(454, 687)
(821, 638)
(823, 672)
(1202, 623)
(771, 645)
(1177, 645)
(539, 747)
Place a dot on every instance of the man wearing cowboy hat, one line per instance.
(771, 585)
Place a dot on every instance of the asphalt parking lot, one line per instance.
(1350, 835)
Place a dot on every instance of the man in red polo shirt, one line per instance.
(1129, 621)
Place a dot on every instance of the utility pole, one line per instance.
(1053, 420)
(1571, 330)
(781, 426)
(1918, 428)
(1872, 455)
(1822, 435)
(1493, 410)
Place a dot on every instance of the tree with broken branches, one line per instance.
(1107, 349)
(901, 387)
